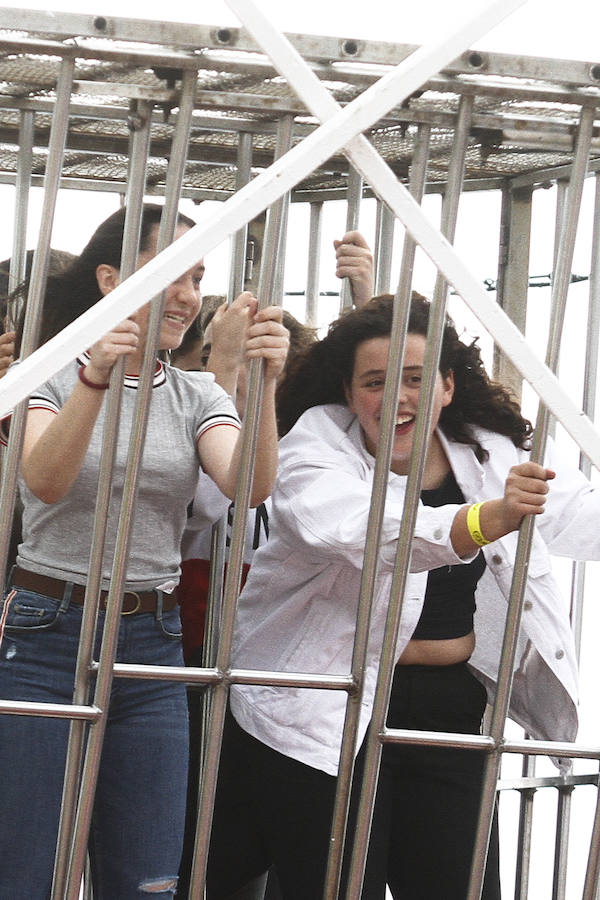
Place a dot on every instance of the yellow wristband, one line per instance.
(474, 525)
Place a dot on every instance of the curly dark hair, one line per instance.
(322, 372)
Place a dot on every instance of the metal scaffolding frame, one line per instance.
(257, 118)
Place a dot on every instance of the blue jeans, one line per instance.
(139, 808)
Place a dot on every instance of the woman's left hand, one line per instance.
(268, 339)
(525, 492)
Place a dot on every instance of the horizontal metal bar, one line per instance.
(533, 783)
(432, 187)
(438, 739)
(319, 47)
(138, 57)
(50, 710)
(130, 91)
(113, 186)
(235, 676)
(551, 748)
(487, 743)
(546, 177)
(79, 110)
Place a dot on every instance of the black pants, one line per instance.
(273, 810)
(254, 889)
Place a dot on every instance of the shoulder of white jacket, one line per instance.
(323, 424)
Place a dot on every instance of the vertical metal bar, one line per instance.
(218, 536)
(589, 407)
(512, 295)
(513, 274)
(591, 887)
(58, 135)
(243, 175)
(314, 264)
(374, 526)
(285, 135)
(236, 286)
(422, 427)
(384, 684)
(384, 241)
(525, 834)
(140, 145)
(503, 245)
(78, 827)
(276, 218)
(22, 186)
(354, 195)
(562, 189)
(592, 879)
(267, 287)
(217, 548)
(513, 619)
(561, 846)
(589, 398)
(138, 162)
(17, 270)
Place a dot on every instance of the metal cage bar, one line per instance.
(384, 239)
(422, 428)
(314, 263)
(86, 761)
(355, 188)
(500, 708)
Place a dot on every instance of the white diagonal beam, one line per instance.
(245, 205)
(383, 181)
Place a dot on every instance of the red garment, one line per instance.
(192, 594)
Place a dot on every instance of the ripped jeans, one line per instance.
(139, 808)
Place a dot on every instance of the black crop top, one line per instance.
(450, 595)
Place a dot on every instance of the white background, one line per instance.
(541, 28)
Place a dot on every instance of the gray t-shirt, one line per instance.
(57, 537)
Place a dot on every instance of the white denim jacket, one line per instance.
(297, 612)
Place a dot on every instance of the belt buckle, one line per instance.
(138, 603)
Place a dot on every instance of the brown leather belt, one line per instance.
(133, 601)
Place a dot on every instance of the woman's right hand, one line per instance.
(229, 329)
(7, 351)
(121, 341)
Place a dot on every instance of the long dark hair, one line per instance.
(321, 374)
(74, 290)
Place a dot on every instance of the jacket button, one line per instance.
(438, 534)
(559, 654)
(528, 605)
(496, 559)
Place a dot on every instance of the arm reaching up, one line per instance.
(355, 261)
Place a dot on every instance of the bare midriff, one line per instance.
(438, 653)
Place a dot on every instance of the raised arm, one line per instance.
(220, 447)
(355, 261)
(55, 444)
(324, 497)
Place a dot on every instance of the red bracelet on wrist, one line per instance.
(91, 384)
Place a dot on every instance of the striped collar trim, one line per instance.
(132, 381)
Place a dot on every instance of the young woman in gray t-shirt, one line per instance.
(137, 827)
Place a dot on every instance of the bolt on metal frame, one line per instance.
(380, 182)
